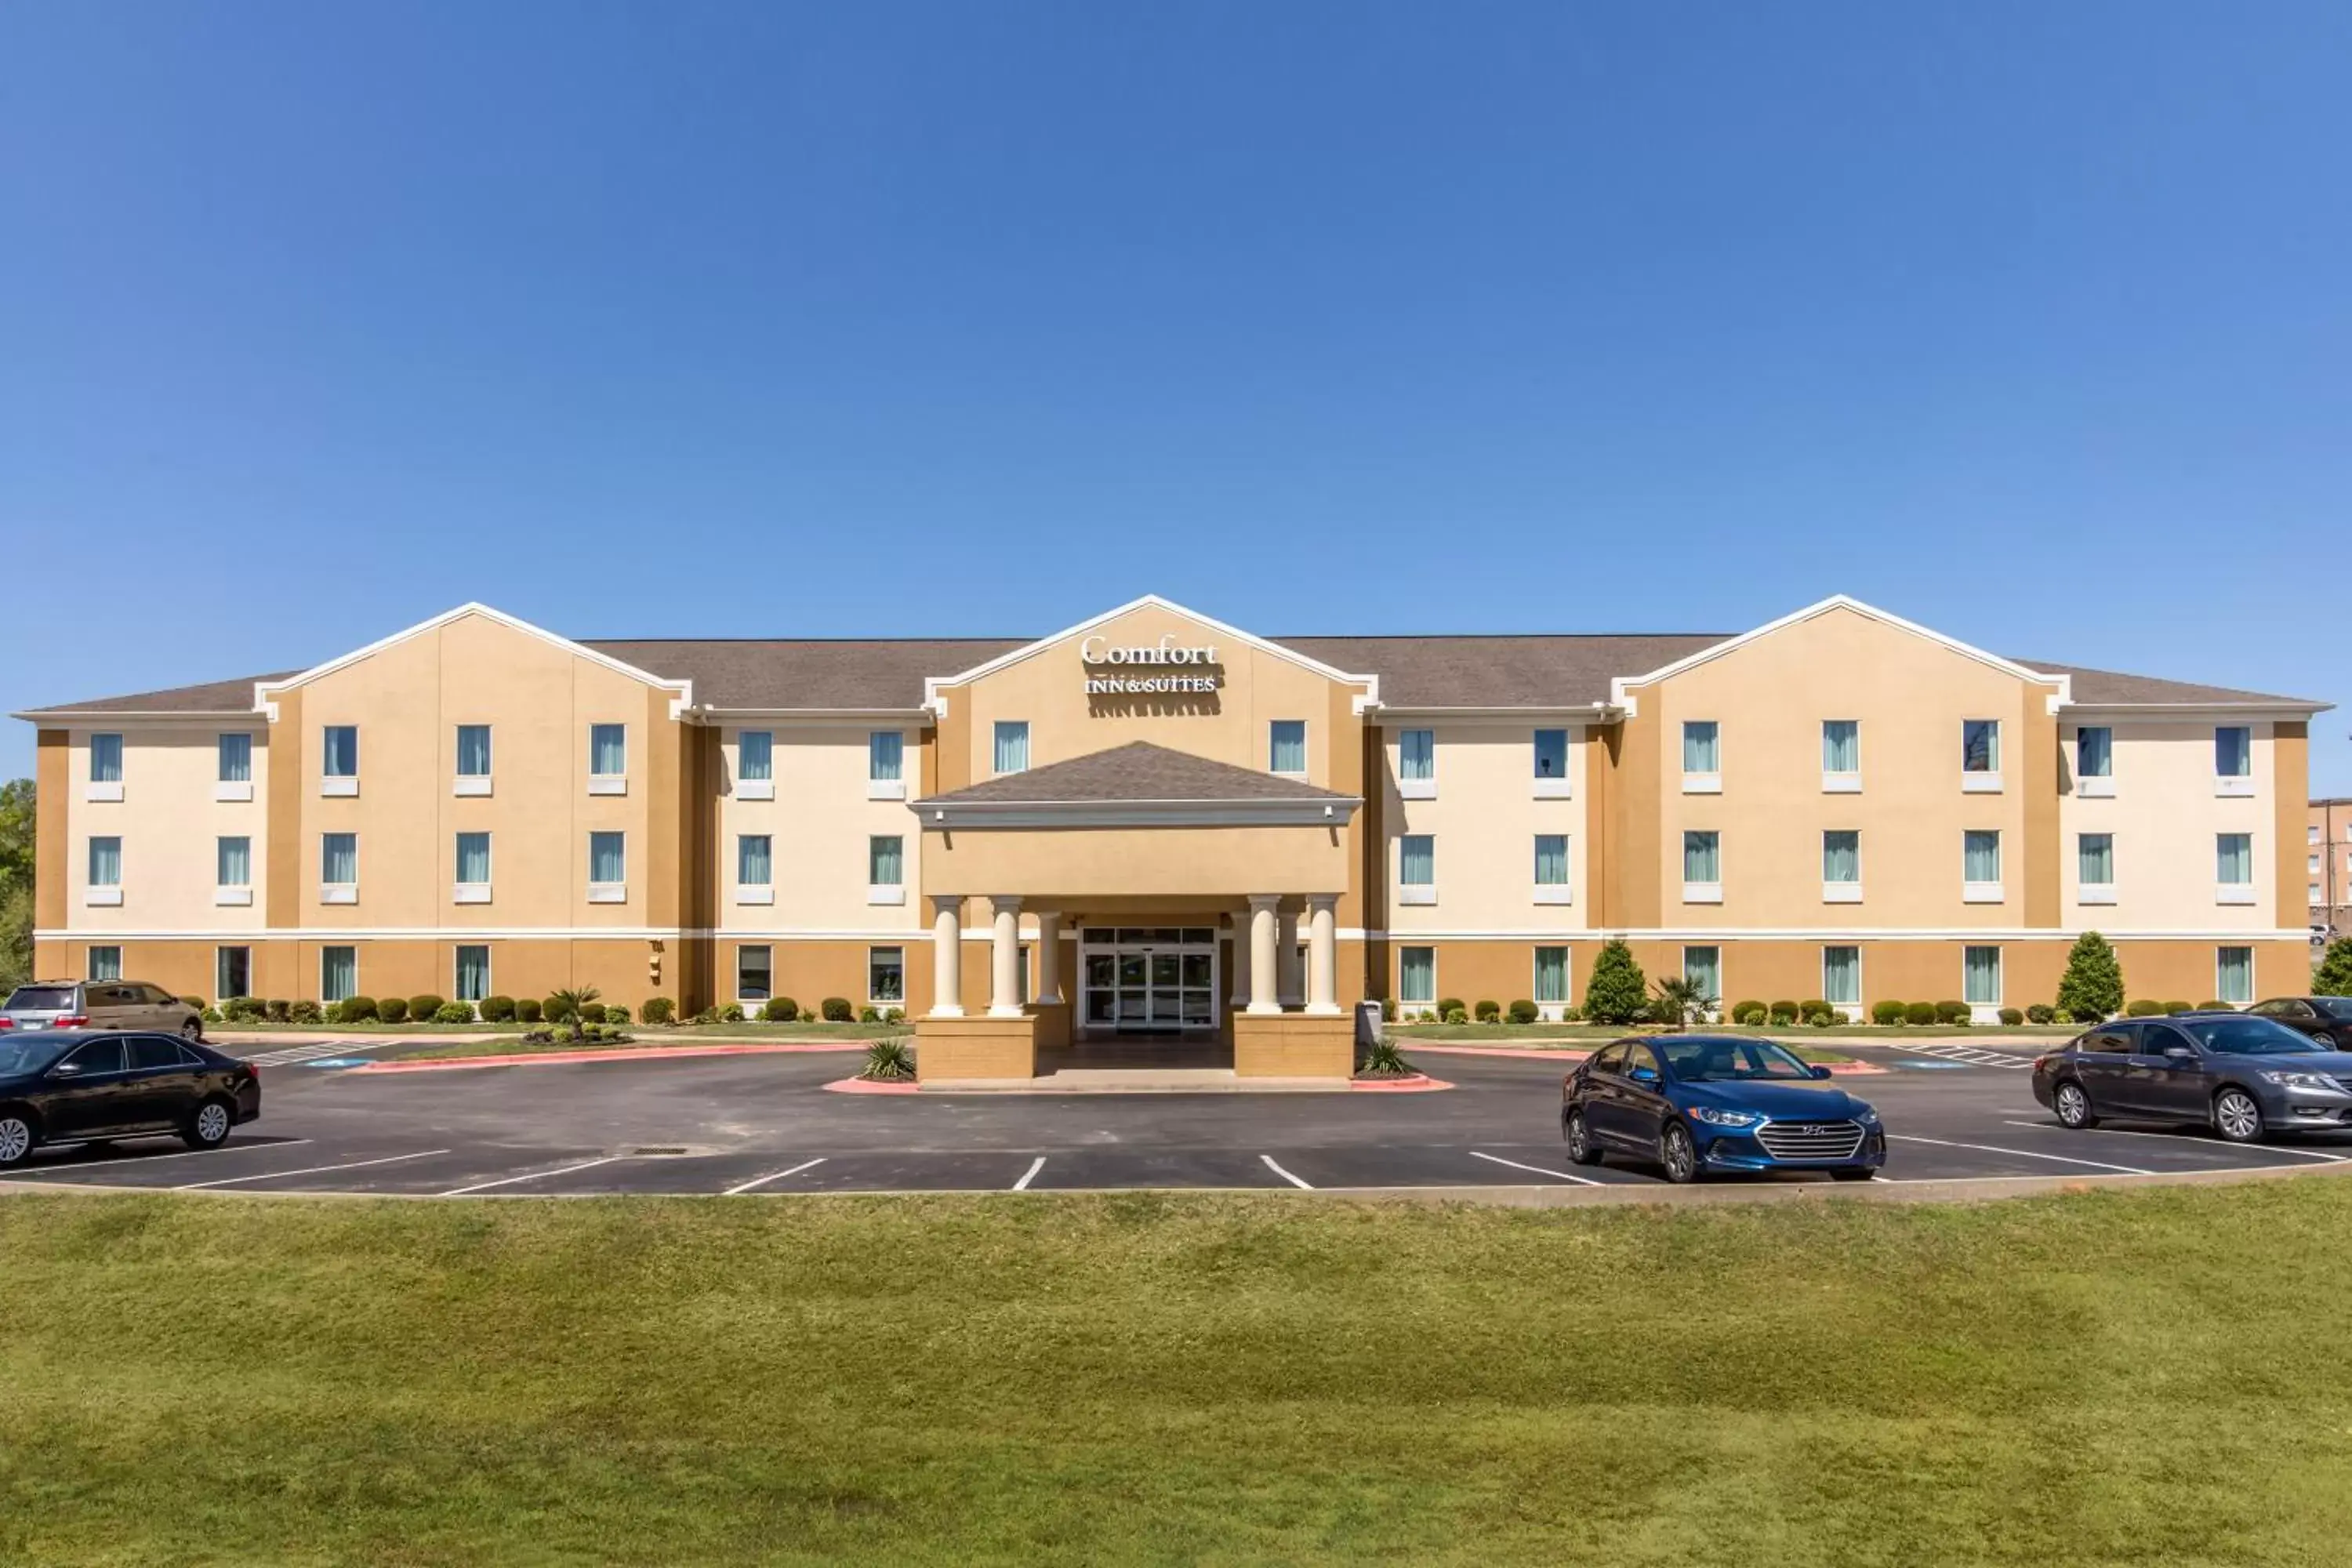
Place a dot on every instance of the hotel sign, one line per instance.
(1136, 670)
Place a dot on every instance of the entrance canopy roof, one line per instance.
(1137, 786)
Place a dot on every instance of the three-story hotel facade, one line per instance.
(1153, 824)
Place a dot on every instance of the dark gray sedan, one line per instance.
(2241, 1076)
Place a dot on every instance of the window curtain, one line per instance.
(608, 750)
(339, 857)
(1842, 975)
(232, 862)
(105, 963)
(106, 862)
(1551, 975)
(1840, 746)
(1980, 856)
(1417, 860)
(2094, 858)
(2094, 752)
(1703, 967)
(339, 752)
(106, 759)
(884, 857)
(473, 751)
(1011, 746)
(1700, 753)
(755, 755)
(1289, 746)
(339, 973)
(607, 859)
(1981, 978)
(1551, 859)
(473, 974)
(2234, 974)
(1980, 745)
(1417, 974)
(1841, 857)
(236, 759)
(753, 864)
(2234, 853)
(1417, 755)
(2234, 751)
(886, 754)
(473, 858)
(1702, 858)
(1551, 754)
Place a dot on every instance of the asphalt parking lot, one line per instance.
(764, 1125)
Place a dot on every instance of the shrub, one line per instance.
(1784, 1012)
(779, 1010)
(2177, 1007)
(1382, 1060)
(1524, 1013)
(1920, 1012)
(1618, 992)
(1823, 1020)
(453, 1012)
(213, 1015)
(498, 1009)
(305, 1012)
(1457, 1016)
(617, 1012)
(1749, 1012)
(1571, 1015)
(887, 1061)
(240, 1009)
(1953, 1012)
(1888, 1012)
(275, 1008)
(195, 1002)
(2011, 1016)
(731, 1014)
(2093, 986)
(1487, 1012)
(1814, 1010)
(707, 1015)
(2041, 1012)
(837, 1010)
(1450, 1004)
(2143, 1009)
(1388, 1010)
(2215, 1007)
(591, 1012)
(424, 1005)
(393, 1010)
(2334, 975)
(658, 1010)
(529, 1011)
(894, 1014)
(869, 1013)
(355, 1010)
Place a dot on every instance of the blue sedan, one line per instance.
(1698, 1104)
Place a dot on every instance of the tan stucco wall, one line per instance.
(1085, 863)
(2164, 817)
(820, 822)
(169, 823)
(1485, 820)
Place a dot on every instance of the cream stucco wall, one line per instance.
(169, 823)
(2166, 817)
(819, 822)
(1483, 821)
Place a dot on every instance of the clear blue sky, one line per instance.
(2030, 321)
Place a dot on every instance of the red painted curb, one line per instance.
(649, 1054)
(1419, 1083)
(869, 1085)
(1529, 1053)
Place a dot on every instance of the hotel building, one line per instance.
(1155, 824)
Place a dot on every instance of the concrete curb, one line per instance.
(621, 1054)
(1535, 1053)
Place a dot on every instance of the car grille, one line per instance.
(2344, 1083)
(1811, 1139)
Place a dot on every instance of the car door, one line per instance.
(84, 1093)
(114, 1006)
(2174, 1088)
(1646, 1105)
(2102, 1060)
(1603, 1106)
(161, 1008)
(162, 1084)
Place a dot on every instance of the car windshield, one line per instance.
(41, 999)
(2245, 1037)
(1727, 1061)
(30, 1055)
(2336, 1007)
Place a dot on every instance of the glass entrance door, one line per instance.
(1149, 980)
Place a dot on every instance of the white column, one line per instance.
(1322, 952)
(1292, 986)
(1263, 971)
(1049, 957)
(946, 957)
(1005, 971)
(1242, 961)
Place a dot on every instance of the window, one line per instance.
(106, 862)
(105, 963)
(232, 973)
(339, 752)
(608, 759)
(339, 860)
(2314, 893)
(473, 977)
(755, 755)
(2233, 867)
(2311, 833)
(1980, 864)
(1842, 977)
(232, 862)
(1417, 763)
(472, 859)
(608, 864)
(886, 860)
(1417, 867)
(1702, 868)
(339, 973)
(886, 756)
(1011, 745)
(2313, 866)
(106, 759)
(1287, 746)
(2094, 752)
(1551, 754)
(1702, 753)
(2233, 973)
(886, 975)
(1551, 977)
(235, 760)
(755, 974)
(754, 863)
(1551, 861)
(1703, 967)
(1981, 976)
(1840, 746)
(1417, 974)
(1979, 753)
(2095, 865)
(2234, 751)
(473, 751)
(1842, 856)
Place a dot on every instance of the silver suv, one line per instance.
(100, 1005)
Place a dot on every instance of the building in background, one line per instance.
(2327, 868)
(1155, 824)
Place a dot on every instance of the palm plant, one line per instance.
(1679, 1000)
(564, 1006)
(888, 1062)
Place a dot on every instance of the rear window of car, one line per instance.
(41, 999)
(154, 1051)
(2336, 1007)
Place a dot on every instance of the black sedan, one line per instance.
(2326, 1019)
(71, 1085)
(2241, 1076)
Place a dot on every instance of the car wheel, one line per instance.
(1582, 1149)
(2073, 1104)
(2236, 1117)
(192, 1031)
(209, 1127)
(1677, 1154)
(16, 1139)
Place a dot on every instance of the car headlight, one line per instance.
(2311, 1080)
(1865, 1114)
(1715, 1117)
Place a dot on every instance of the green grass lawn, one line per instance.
(2106, 1378)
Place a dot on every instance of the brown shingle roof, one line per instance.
(1500, 671)
(1138, 771)
(210, 696)
(849, 673)
(2106, 686)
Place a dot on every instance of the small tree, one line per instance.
(2333, 976)
(2092, 986)
(1617, 992)
(564, 1007)
(1679, 1000)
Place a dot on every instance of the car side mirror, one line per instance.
(1819, 1071)
(1646, 1077)
(66, 1070)
(2178, 1055)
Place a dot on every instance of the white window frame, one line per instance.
(233, 789)
(90, 960)
(1715, 1007)
(755, 893)
(900, 1000)
(1985, 1011)
(2094, 893)
(2233, 787)
(457, 968)
(1709, 782)
(471, 892)
(2220, 992)
(1851, 1011)
(1550, 1012)
(1564, 890)
(233, 895)
(95, 788)
(339, 785)
(893, 788)
(1982, 780)
(1985, 892)
(354, 949)
(1841, 892)
(1703, 892)
(470, 786)
(743, 999)
(746, 786)
(220, 970)
(338, 892)
(1548, 788)
(608, 783)
(1422, 788)
(1416, 893)
(886, 893)
(608, 892)
(1300, 771)
(1842, 781)
(1429, 1002)
(95, 893)
(2234, 893)
(996, 733)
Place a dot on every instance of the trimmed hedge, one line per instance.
(527, 1010)
(2011, 1016)
(1951, 1012)
(658, 1010)
(1814, 1010)
(1888, 1012)
(1747, 1012)
(393, 1010)
(2215, 1007)
(498, 1009)
(780, 1010)
(2143, 1008)
(454, 1013)
(2177, 1007)
(593, 1011)
(276, 1009)
(305, 1012)
(1487, 1012)
(424, 1005)
(350, 1010)
(1919, 1013)
(1524, 1013)
(837, 1010)
(1450, 1004)
(2042, 1012)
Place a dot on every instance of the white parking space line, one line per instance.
(1284, 1174)
(1539, 1170)
(772, 1176)
(2021, 1154)
(530, 1176)
(1030, 1175)
(2187, 1138)
(144, 1159)
(309, 1171)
